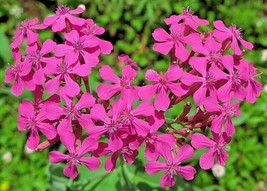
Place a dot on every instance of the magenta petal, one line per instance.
(141, 127)
(53, 111)
(146, 92)
(90, 59)
(178, 89)
(187, 172)
(115, 143)
(161, 35)
(181, 52)
(76, 11)
(189, 79)
(85, 120)
(173, 73)
(62, 50)
(108, 74)
(163, 47)
(216, 125)
(222, 157)
(65, 125)
(26, 109)
(106, 91)
(59, 25)
(199, 141)
(220, 26)
(75, 20)
(235, 47)
(162, 100)
(71, 87)
(71, 171)
(50, 20)
(48, 130)
(53, 85)
(206, 161)
(200, 95)
(105, 46)
(128, 72)
(229, 127)
(144, 109)
(199, 64)
(9, 77)
(91, 163)
(86, 101)
(96, 131)
(33, 140)
(82, 70)
(88, 144)
(48, 46)
(39, 77)
(246, 44)
(167, 180)
(184, 153)
(153, 167)
(31, 37)
(68, 140)
(56, 157)
(152, 75)
(98, 112)
(110, 163)
(17, 87)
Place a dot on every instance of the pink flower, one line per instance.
(188, 18)
(175, 40)
(18, 73)
(34, 121)
(109, 125)
(128, 61)
(37, 58)
(126, 152)
(253, 87)
(172, 165)
(134, 118)
(70, 112)
(155, 141)
(217, 149)
(211, 52)
(119, 85)
(65, 72)
(75, 48)
(207, 80)
(233, 33)
(75, 155)
(161, 85)
(63, 14)
(234, 84)
(26, 29)
(223, 122)
(91, 29)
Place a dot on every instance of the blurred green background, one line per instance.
(129, 24)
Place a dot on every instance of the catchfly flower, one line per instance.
(106, 112)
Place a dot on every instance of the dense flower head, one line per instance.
(120, 117)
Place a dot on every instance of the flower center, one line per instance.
(236, 32)
(35, 59)
(209, 81)
(113, 127)
(62, 10)
(188, 12)
(78, 45)
(74, 159)
(215, 57)
(62, 68)
(125, 82)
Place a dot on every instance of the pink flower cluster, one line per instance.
(121, 118)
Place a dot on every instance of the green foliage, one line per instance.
(129, 24)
